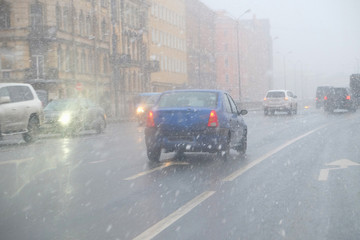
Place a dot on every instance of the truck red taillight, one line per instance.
(150, 120)
(213, 119)
(348, 98)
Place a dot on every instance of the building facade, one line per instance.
(167, 44)
(243, 57)
(61, 47)
(200, 32)
(131, 67)
(255, 58)
(227, 77)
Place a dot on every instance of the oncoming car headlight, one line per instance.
(140, 110)
(65, 118)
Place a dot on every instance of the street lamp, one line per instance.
(238, 48)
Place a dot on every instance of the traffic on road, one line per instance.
(297, 180)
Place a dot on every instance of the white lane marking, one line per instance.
(17, 161)
(166, 222)
(165, 165)
(324, 173)
(252, 164)
(343, 163)
(340, 164)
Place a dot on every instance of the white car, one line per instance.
(21, 111)
(280, 100)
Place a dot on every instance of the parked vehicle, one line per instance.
(321, 92)
(21, 111)
(144, 102)
(69, 116)
(339, 98)
(280, 100)
(195, 121)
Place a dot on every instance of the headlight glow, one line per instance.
(65, 118)
(140, 110)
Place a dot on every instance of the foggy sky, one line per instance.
(322, 36)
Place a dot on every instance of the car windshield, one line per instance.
(180, 119)
(275, 95)
(62, 105)
(188, 99)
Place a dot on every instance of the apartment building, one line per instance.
(167, 44)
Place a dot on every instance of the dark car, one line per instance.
(339, 98)
(144, 102)
(321, 92)
(195, 121)
(69, 116)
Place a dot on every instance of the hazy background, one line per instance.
(319, 39)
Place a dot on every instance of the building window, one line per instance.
(66, 19)
(6, 63)
(67, 60)
(104, 3)
(73, 22)
(91, 63)
(88, 25)
(36, 16)
(103, 29)
(226, 62)
(59, 56)
(83, 62)
(4, 15)
(58, 16)
(37, 66)
(95, 27)
(76, 62)
(105, 65)
(81, 23)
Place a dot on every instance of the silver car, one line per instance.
(21, 111)
(280, 100)
(70, 116)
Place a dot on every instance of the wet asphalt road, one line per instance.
(300, 179)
